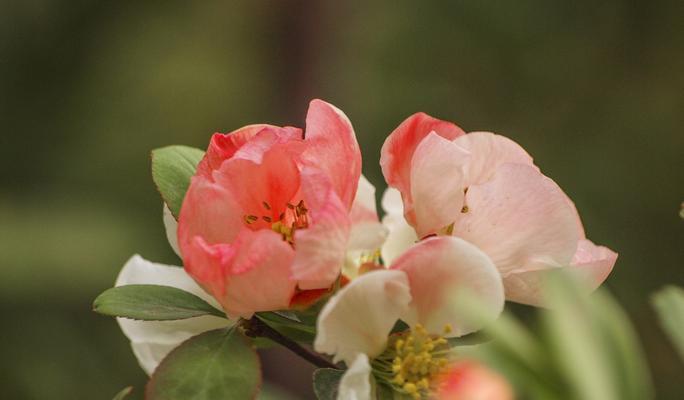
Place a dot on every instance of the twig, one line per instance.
(255, 327)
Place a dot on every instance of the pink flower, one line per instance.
(423, 287)
(470, 380)
(485, 189)
(267, 214)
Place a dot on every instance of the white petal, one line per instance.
(356, 381)
(365, 196)
(171, 227)
(152, 340)
(367, 233)
(392, 203)
(442, 272)
(358, 318)
(401, 235)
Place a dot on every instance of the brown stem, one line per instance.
(255, 327)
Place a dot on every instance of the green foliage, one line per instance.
(152, 303)
(123, 394)
(172, 168)
(219, 364)
(586, 349)
(669, 304)
(326, 382)
(289, 325)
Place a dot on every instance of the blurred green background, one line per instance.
(593, 90)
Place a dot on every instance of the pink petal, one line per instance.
(223, 146)
(470, 380)
(591, 264)
(209, 211)
(397, 151)
(332, 147)
(322, 246)
(440, 268)
(252, 274)
(437, 183)
(261, 189)
(489, 151)
(521, 219)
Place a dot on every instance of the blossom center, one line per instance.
(413, 362)
(293, 218)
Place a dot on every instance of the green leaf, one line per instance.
(172, 168)
(384, 392)
(326, 382)
(152, 303)
(123, 394)
(219, 364)
(669, 304)
(469, 340)
(594, 344)
(288, 326)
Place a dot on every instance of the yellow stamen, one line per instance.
(414, 360)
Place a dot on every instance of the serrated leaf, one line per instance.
(219, 364)
(152, 303)
(326, 382)
(172, 168)
(123, 394)
(669, 304)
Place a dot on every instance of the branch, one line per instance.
(255, 327)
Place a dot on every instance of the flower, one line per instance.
(485, 189)
(269, 212)
(419, 289)
(470, 380)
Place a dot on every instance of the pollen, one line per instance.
(290, 219)
(414, 361)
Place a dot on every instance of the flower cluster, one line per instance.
(280, 218)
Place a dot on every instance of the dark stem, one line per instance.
(255, 327)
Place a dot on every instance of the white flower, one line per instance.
(153, 340)
(419, 289)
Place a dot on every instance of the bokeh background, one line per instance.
(593, 90)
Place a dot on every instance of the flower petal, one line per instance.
(171, 228)
(152, 340)
(440, 268)
(274, 182)
(397, 151)
(358, 318)
(401, 235)
(591, 264)
(356, 381)
(437, 183)
(321, 247)
(332, 147)
(367, 233)
(521, 219)
(470, 380)
(209, 211)
(489, 151)
(249, 275)
(223, 146)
